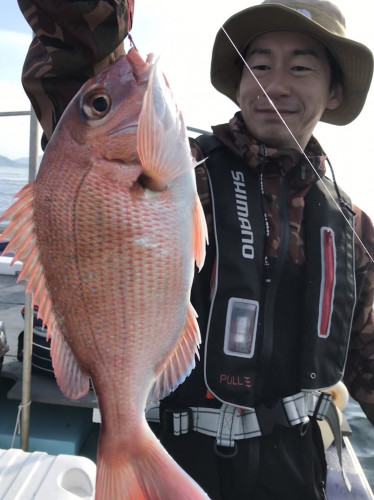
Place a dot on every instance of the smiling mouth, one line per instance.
(270, 115)
(273, 112)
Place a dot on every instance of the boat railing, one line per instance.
(14, 113)
(24, 407)
(33, 138)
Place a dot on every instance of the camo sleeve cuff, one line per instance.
(359, 374)
(73, 41)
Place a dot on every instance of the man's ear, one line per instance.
(335, 97)
(237, 92)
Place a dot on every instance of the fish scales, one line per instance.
(109, 252)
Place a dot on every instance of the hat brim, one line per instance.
(354, 59)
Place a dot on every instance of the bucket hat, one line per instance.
(319, 19)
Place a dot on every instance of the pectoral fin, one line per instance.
(200, 234)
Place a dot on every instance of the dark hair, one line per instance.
(337, 77)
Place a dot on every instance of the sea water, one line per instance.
(362, 438)
(12, 178)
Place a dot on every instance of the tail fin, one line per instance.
(147, 474)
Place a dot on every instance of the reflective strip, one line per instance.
(227, 426)
(317, 403)
(234, 425)
(180, 423)
(296, 409)
(229, 423)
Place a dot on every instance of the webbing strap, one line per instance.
(226, 424)
(229, 423)
(332, 418)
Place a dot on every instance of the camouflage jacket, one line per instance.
(359, 372)
(74, 40)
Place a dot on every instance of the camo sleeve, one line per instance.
(74, 40)
(359, 374)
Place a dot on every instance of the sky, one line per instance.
(182, 34)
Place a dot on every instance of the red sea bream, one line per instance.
(109, 234)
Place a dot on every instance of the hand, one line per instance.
(139, 66)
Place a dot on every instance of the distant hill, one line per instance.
(5, 162)
(22, 162)
(19, 162)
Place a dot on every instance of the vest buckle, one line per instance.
(268, 418)
(177, 423)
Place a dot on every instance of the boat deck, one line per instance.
(61, 426)
(51, 412)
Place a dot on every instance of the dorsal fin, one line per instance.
(163, 145)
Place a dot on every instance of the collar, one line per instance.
(272, 161)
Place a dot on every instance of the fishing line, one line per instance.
(298, 145)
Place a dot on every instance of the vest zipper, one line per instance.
(271, 289)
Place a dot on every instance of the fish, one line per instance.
(110, 233)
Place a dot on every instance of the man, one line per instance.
(285, 296)
(280, 285)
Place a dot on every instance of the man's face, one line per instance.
(294, 71)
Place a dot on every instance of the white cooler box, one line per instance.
(6, 268)
(39, 476)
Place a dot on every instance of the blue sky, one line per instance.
(15, 35)
(182, 33)
(11, 17)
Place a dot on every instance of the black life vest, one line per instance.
(254, 326)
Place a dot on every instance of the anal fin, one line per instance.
(181, 361)
(71, 379)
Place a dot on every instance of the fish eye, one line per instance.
(96, 104)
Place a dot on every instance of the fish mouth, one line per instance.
(128, 128)
(127, 124)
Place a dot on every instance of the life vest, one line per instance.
(246, 321)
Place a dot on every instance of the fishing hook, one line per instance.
(298, 145)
